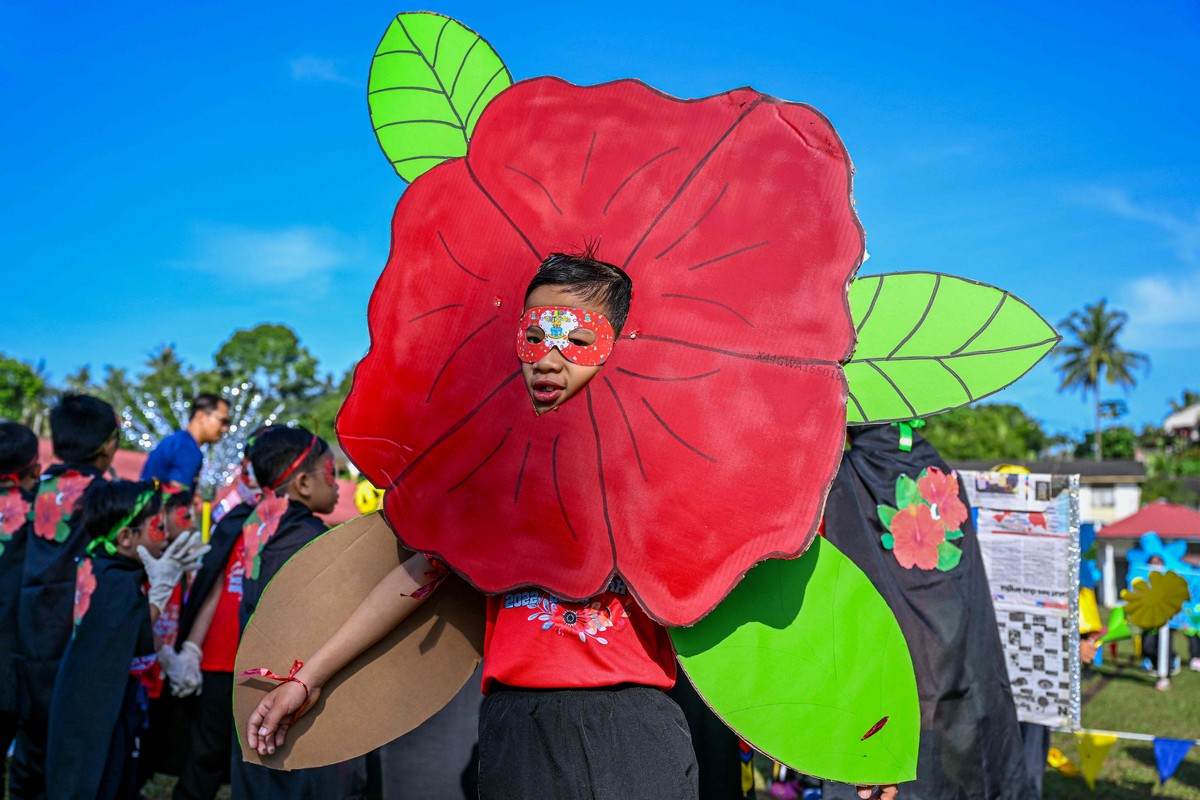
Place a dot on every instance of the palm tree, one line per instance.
(1188, 400)
(1093, 353)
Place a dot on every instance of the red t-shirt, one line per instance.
(221, 642)
(536, 641)
(166, 628)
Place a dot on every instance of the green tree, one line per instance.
(991, 431)
(166, 373)
(24, 392)
(272, 357)
(1118, 441)
(325, 408)
(80, 381)
(1092, 355)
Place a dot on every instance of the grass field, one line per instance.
(1124, 699)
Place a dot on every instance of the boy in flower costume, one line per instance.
(84, 430)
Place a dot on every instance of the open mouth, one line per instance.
(545, 391)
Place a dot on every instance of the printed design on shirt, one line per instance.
(587, 620)
(139, 664)
(166, 627)
(928, 514)
(260, 526)
(85, 585)
(14, 511)
(57, 499)
(233, 579)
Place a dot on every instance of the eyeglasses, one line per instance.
(225, 421)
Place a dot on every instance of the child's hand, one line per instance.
(878, 792)
(274, 714)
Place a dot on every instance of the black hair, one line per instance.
(591, 280)
(174, 500)
(206, 402)
(274, 451)
(18, 448)
(80, 426)
(106, 503)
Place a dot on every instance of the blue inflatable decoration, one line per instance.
(1171, 553)
(1089, 572)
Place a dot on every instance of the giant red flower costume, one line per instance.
(708, 440)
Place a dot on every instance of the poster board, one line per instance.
(1028, 528)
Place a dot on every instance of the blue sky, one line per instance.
(171, 172)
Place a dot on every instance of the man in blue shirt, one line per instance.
(177, 459)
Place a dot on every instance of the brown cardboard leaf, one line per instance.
(384, 693)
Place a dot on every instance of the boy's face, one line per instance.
(151, 534)
(318, 489)
(552, 379)
(178, 520)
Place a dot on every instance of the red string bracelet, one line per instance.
(263, 672)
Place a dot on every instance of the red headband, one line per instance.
(300, 460)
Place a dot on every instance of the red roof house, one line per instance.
(1168, 520)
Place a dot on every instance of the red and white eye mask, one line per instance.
(583, 337)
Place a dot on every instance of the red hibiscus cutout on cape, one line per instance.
(941, 490)
(14, 512)
(85, 585)
(71, 486)
(708, 442)
(917, 537)
(47, 513)
(259, 527)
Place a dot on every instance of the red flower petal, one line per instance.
(941, 490)
(916, 537)
(85, 585)
(13, 512)
(46, 514)
(707, 443)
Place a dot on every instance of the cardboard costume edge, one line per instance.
(311, 597)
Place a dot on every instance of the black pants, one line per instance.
(27, 778)
(594, 744)
(207, 764)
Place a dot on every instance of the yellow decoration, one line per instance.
(1152, 605)
(1089, 612)
(367, 497)
(1093, 749)
(1058, 760)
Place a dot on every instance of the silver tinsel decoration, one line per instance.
(157, 418)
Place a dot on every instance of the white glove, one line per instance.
(185, 675)
(164, 572)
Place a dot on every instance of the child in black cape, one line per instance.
(970, 741)
(84, 430)
(207, 643)
(18, 477)
(296, 471)
(99, 709)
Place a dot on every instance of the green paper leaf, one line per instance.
(929, 342)
(885, 515)
(907, 492)
(954, 534)
(430, 80)
(802, 660)
(888, 540)
(948, 556)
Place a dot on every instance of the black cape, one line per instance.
(970, 740)
(45, 616)
(12, 561)
(91, 686)
(297, 528)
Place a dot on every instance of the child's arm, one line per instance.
(204, 617)
(388, 604)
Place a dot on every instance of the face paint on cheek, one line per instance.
(556, 324)
(329, 474)
(181, 518)
(155, 530)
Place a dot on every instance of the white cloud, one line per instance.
(1164, 306)
(1180, 234)
(319, 70)
(286, 257)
